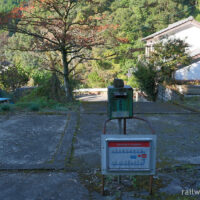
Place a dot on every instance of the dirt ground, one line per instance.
(58, 156)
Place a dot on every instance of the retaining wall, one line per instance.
(167, 94)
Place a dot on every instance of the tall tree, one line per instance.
(70, 27)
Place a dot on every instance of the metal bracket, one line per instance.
(124, 132)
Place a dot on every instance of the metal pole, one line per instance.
(124, 131)
(120, 125)
(124, 126)
(150, 185)
(120, 132)
(102, 187)
(119, 179)
(103, 178)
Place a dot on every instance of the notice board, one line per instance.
(125, 154)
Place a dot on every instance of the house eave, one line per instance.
(190, 21)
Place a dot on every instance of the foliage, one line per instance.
(88, 27)
(197, 11)
(5, 107)
(146, 76)
(159, 68)
(134, 20)
(94, 80)
(4, 94)
(43, 97)
(34, 102)
(30, 62)
(167, 57)
(50, 89)
(137, 19)
(34, 107)
(8, 5)
(71, 28)
(133, 179)
(133, 82)
(12, 77)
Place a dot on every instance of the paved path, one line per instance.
(178, 132)
(58, 156)
(35, 141)
(138, 108)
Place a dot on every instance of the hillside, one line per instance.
(134, 20)
(7, 5)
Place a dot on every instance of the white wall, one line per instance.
(191, 72)
(191, 36)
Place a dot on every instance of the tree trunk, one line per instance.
(67, 86)
(55, 87)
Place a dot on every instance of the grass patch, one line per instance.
(6, 107)
(34, 107)
(42, 103)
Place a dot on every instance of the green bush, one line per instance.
(13, 78)
(23, 105)
(32, 102)
(133, 82)
(34, 107)
(5, 107)
(43, 97)
(146, 76)
(35, 103)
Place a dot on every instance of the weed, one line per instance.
(34, 107)
(6, 107)
(35, 103)
(133, 180)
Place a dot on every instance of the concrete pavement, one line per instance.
(58, 156)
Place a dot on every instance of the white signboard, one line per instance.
(132, 154)
(122, 154)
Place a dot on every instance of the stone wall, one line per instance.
(167, 94)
